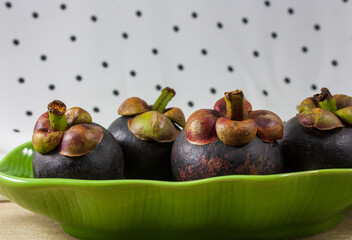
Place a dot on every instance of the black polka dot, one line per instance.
(274, 35)
(138, 13)
(267, 3)
(51, 87)
(73, 38)
(245, 20)
(213, 90)
(290, 11)
(63, 6)
(8, 4)
(220, 25)
(304, 49)
(94, 18)
(79, 78)
(155, 51)
(194, 15)
(158, 87)
(176, 28)
(16, 130)
(29, 113)
(133, 73)
(265, 92)
(287, 80)
(255, 53)
(345, 1)
(115, 92)
(334, 63)
(190, 103)
(35, 15)
(43, 57)
(105, 64)
(204, 51)
(230, 69)
(317, 27)
(314, 87)
(125, 35)
(96, 109)
(21, 80)
(180, 67)
(16, 42)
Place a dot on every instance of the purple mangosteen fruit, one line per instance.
(231, 139)
(320, 135)
(146, 135)
(67, 144)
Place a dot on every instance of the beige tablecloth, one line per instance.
(17, 223)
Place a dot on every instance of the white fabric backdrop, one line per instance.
(57, 49)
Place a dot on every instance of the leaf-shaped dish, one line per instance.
(230, 207)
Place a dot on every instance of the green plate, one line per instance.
(231, 207)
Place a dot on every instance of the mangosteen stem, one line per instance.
(234, 105)
(325, 100)
(165, 97)
(57, 110)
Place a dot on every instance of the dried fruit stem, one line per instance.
(57, 110)
(325, 100)
(234, 105)
(165, 97)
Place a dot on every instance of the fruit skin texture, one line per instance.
(309, 148)
(191, 162)
(104, 162)
(143, 159)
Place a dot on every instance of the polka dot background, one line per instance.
(95, 54)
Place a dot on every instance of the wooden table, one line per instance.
(17, 223)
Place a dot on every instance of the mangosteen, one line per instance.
(320, 135)
(146, 135)
(231, 139)
(67, 144)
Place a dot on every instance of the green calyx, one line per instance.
(133, 106)
(76, 115)
(80, 139)
(307, 104)
(324, 111)
(155, 123)
(44, 141)
(345, 114)
(69, 130)
(319, 118)
(233, 122)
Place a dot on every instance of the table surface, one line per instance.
(21, 224)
